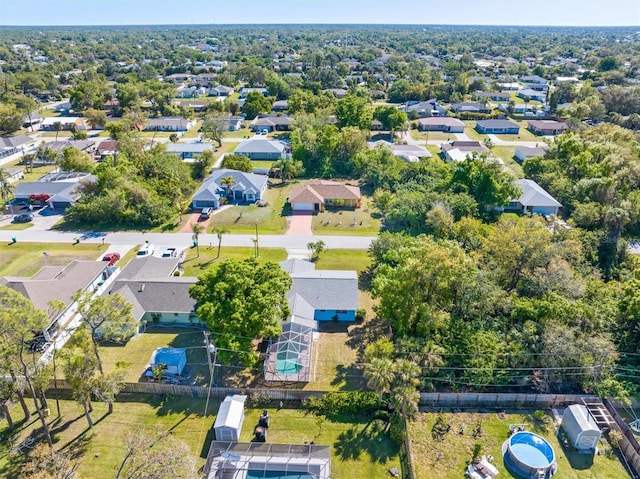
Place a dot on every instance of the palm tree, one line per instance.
(57, 126)
(404, 401)
(196, 229)
(227, 182)
(407, 372)
(432, 357)
(288, 169)
(6, 188)
(380, 374)
(219, 232)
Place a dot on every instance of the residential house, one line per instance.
(423, 109)
(13, 174)
(408, 153)
(221, 90)
(497, 127)
(62, 189)
(67, 122)
(61, 283)
(532, 95)
(470, 107)
(492, 95)
(314, 195)
(272, 123)
(233, 123)
(547, 127)
(178, 78)
(320, 295)
(33, 122)
(280, 106)
(15, 144)
(191, 92)
(446, 124)
(245, 91)
(534, 199)
(195, 105)
(534, 79)
(261, 149)
(244, 187)
(460, 150)
(169, 123)
(105, 149)
(188, 151)
(339, 93)
(87, 146)
(376, 125)
(156, 291)
(510, 86)
(524, 152)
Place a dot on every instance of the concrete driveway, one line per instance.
(300, 223)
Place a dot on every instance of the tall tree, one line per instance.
(242, 300)
(380, 375)
(288, 168)
(219, 231)
(20, 321)
(107, 317)
(354, 110)
(6, 188)
(213, 128)
(79, 371)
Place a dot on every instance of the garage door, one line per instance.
(302, 207)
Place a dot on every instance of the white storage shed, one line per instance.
(580, 427)
(230, 417)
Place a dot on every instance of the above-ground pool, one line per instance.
(529, 455)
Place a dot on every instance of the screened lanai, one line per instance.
(289, 357)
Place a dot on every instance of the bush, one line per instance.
(336, 403)
(361, 314)
(615, 437)
(397, 428)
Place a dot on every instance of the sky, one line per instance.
(423, 12)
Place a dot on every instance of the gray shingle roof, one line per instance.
(326, 289)
(149, 267)
(259, 146)
(534, 195)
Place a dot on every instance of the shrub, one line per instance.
(615, 437)
(336, 403)
(361, 314)
(397, 428)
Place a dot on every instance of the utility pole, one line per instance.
(211, 349)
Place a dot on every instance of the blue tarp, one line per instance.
(175, 359)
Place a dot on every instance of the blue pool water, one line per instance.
(531, 450)
(277, 475)
(287, 365)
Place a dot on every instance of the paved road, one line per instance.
(183, 240)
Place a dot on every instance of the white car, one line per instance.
(145, 250)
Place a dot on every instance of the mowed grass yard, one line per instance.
(136, 352)
(195, 266)
(26, 259)
(363, 221)
(360, 447)
(271, 219)
(448, 458)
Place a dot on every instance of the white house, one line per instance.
(246, 187)
(169, 123)
(534, 199)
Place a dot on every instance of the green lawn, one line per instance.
(471, 132)
(241, 133)
(361, 221)
(344, 259)
(137, 352)
(62, 135)
(17, 226)
(431, 135)
(193, 131)
(360, 447)
(194, 266)
(448, 458)
(25, 259)
(262, 163)
(507, 154)
(270, 219)
(434, 150)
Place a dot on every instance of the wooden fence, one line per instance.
(629, 446)
(406, 456)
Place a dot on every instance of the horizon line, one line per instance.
(320, 24)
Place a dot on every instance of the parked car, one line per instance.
(23, 218)
(206, 212)
(145, 250)
(112, 258)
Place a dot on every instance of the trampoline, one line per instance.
(529, 455)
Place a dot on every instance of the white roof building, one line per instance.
(580, 427)
(230, 418)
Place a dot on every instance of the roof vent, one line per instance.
(141, 288)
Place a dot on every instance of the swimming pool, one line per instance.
(530, 455)
(287, 364)
(277, 475)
